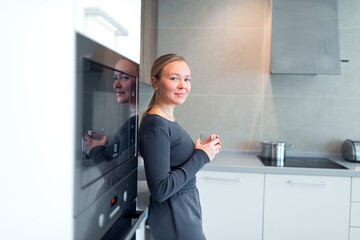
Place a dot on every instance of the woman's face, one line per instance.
(174, 84)
(122, 81)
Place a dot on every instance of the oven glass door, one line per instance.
(108, 105)
(105, 138)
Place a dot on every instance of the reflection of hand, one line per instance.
(96, 139)
(95, 135)
(210, 147)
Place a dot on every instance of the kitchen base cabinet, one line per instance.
(232, 204)
(354, 233)
(355, 214)
(355, 209)
(355, 193)
(306, 207)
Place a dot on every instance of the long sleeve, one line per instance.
(163, 181)
(98, 154)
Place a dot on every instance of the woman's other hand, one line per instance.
(211, 148)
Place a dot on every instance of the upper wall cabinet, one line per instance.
(148, 54)
(113, 23)
(305, 38)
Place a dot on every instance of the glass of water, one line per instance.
(206, 137)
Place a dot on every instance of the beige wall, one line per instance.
(227, 44)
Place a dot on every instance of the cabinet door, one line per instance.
(112, 23)
(232, 204)
(306, 207)
(305, 37)
(355, 194)
(355, 214)
(354, 233)
(149, 31)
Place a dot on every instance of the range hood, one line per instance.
(305, 38)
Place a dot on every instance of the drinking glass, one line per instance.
(96, 134)
(206, 137)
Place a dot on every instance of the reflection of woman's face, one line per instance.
(123, 82)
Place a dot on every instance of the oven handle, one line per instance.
(141, 217)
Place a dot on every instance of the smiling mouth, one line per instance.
(180, 94)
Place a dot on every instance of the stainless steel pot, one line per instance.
(274, 151)
(266, 149)
(278, 152)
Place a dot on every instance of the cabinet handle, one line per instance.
(326, 47)
(120, 30)
(307, 183)
(230, 179)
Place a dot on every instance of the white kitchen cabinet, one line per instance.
(301, 207)
(355, 192)
(232, 204)
(355, 214)
(37, 194)
(115, 24)
(354, 233)
(355, 209)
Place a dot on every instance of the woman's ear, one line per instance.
(154, 82)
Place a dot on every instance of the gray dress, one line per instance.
(171, 162)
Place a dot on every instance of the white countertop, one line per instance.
(248, 162)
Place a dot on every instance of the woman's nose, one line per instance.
(181, 84)
(117, 84)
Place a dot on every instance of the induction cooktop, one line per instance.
(303, 162)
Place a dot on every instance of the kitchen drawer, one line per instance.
(230, 201)
(355, 214)
(354, 233)
(298, 207)
(355, 192)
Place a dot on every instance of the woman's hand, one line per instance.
(211, 148)
(96, 139)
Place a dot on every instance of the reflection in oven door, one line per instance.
(105, 141)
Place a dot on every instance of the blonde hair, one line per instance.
(156, 71)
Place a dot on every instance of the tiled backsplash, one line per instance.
(227, 44)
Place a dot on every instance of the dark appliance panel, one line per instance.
(106, 109)
(303, 162)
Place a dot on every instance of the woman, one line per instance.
(170, 157)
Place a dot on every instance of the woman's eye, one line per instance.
(174, 78)
(115, 78)
(187, 79)
(125, 77)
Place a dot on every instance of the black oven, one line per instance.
(106, 165)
